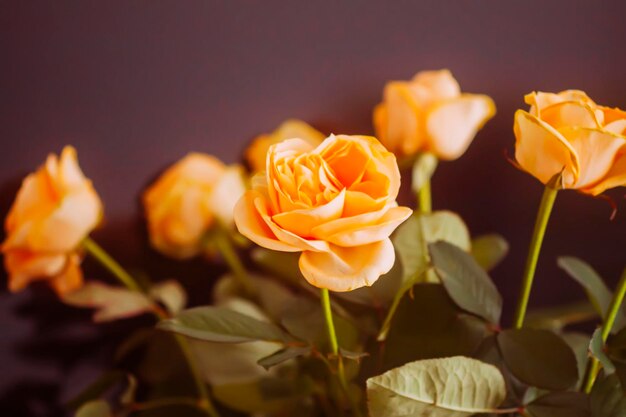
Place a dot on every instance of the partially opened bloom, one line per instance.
(55, 209)
(335, 203)
(289, 129)
(187, 200)
(430, 114)
(570, 134)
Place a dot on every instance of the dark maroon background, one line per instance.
(135, 85)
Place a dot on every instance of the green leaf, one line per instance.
(489, 250)
(413, 236)
(354, 356)
(597, 291)
(97, 388)
(305, 320)
(616, 350)
(466, 282)
(539, 358)
(607, 398)
(171, 294)
(109, 302)
(560, 404)
(449, 387)
(423, 169)
(281, 264)
(579, 343)
(220, 324)
(380, 293)
(284, 355)
(557, 318)
(268, 395)
(224, 364)
(98, 408)
(429, 325)
(596, 347)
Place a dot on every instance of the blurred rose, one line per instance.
(187, 199)
(430, 114)
(335, 203)
(55, 209)
(289, 129)
(567, 132)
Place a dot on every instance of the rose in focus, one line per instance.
(187, 200)
(289, 129)
(335, 203)
(430, 114)
(55, 209)
(568, 133)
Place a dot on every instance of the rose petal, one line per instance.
(570, 113)
(381, 121)
(278, 152)
(284, 235)
(66, 226)
(250, 223)
(373, 170)
(542, 151)
(301, 222)
(24, 267)
(431, 86)
(616, 177)
(226, 191)
(35, 199)
(452, 124)
(403, 112)
(540, 100)
(346, 269)
(70, 174)
(363, 229)
(616, 126)
(597, 151)
(70, 279)
(256, 154)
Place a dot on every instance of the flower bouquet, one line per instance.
(340, 302)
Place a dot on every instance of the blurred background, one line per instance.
(136, 85)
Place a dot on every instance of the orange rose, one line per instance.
(569, 133)
(55, 209)
(335, 203)
(289, 129)
(430, 114)
(187, 199)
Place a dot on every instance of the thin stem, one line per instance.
(424, 198)
(330, 325)
(384, 330)
(334, 346)
(203, 392)
(110, 264)
(614, 308)
(224, 244)
(543, 215)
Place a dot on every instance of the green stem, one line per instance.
(384, 330)
(545, 208)
(424, 198)
(330, 325)
(110, 264)
(334, 346)
(614, 308)
(225, 246)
